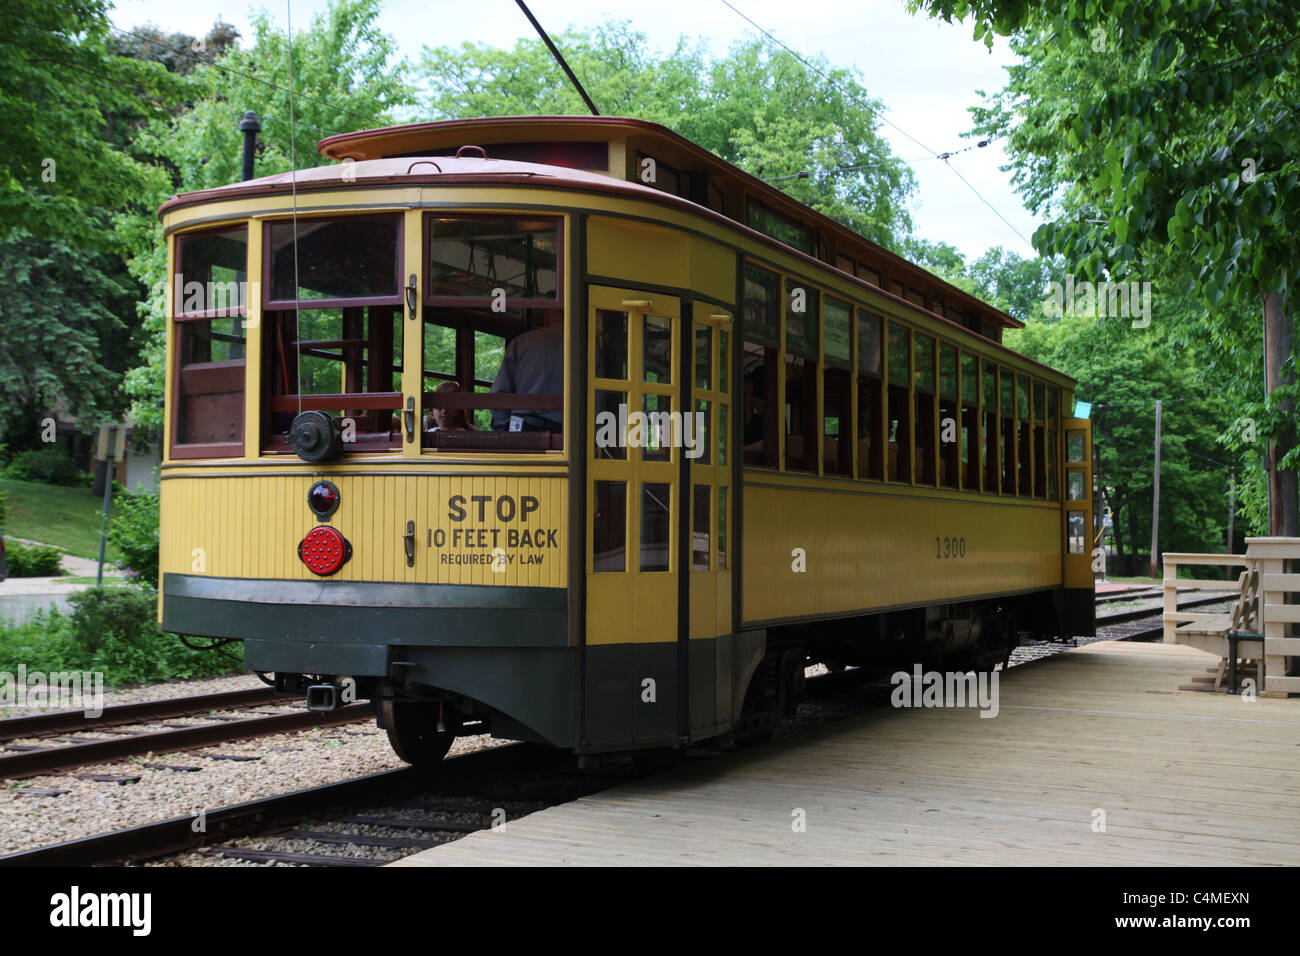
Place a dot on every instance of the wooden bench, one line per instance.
(1235, 632)
(1255, 627)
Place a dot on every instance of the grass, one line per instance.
(67, 518)
(109, 581)
(1112, 579)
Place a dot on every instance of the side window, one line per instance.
(761, 337)
(899, 418)
(837, 391)
(1024, 452)
(1040, 440)
(1007, 409)
(609, 530)
(950, 444)
(923, 364)
(989, 435)
(1053, 399)
(800, 417)
(970, 423)
(871, 444)
(208, 310)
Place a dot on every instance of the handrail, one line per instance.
(1172, 616)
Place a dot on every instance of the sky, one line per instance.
(925, 71)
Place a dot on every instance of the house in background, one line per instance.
(138, 469)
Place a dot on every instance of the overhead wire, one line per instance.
(878, 112)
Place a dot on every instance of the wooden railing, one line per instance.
(1277, 563)
(1172, 562)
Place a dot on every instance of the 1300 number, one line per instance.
(950, 547)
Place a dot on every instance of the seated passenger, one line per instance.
(449, 419)
(533, 364)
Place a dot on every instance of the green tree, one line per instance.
(345, 78)
(1122, 374)
(1161, 138)
(764, 111)
(60, 326)
(60, 178)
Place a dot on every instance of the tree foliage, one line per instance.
(764, 111)
(1123, 374)
(345, 78)
(1159, 139)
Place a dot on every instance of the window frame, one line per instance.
(279, 305)
(177, 321)
(485, 302)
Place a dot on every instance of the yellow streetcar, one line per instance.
(564, 429)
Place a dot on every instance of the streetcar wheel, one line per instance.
(413, 730)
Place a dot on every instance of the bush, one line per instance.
(33, 560)
(112, 631)
(116, 631)
(133, 533)
(4, 508)
(49, 465)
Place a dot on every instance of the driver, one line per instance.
(533, 364)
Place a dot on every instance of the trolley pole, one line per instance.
(1155, 502)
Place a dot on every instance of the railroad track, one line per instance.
(362, 822)
(61, 722)
(1144, 594)
(50, 756)
(1137, 613)
(403, 810)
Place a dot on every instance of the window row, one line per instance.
(926, 412)
(334, 306)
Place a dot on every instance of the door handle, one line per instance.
(409, 418)
(408, 541)
(411, 288)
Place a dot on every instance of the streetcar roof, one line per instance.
(420, 153)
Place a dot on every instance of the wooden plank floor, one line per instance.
(1184, 778)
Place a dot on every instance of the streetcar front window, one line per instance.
(332, 334)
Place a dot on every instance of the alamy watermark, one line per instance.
(651, 430)
(211, 298)
(79, 690)
(1099, 300)
(946, 689)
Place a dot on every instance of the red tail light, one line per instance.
(324, 550)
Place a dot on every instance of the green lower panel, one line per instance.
(1079, 611)
(619, 713)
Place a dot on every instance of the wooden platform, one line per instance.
(1186, 779)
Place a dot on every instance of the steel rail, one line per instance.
(32, 762)
(59, 722)
(194, 831)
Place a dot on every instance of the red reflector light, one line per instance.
(324, 550)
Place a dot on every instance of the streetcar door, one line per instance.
(1077, 511)
(710, 498)
(633, 508)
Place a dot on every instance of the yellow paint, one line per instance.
(630, 605)
(1077, 567)
(868, 545)
(875, 547)
(250, 527)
